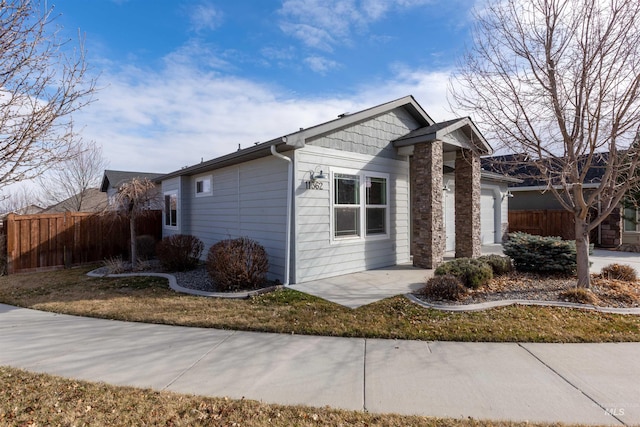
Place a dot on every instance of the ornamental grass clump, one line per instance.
(236, 264)
(541, 254)
(179, 252)
(623, 272)
(578, 295)
(447, 287)
(473, 273)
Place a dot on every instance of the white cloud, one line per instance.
(161, 120)
(322, 24)
(204, 17)
(321, 65)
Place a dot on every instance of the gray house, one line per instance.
(366, 190)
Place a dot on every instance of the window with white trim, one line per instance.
(346, 205)
(204, 186)
(171, 210)
(376, 205)
(360, 205)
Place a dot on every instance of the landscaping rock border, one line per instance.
(503, 303)
(173, 284)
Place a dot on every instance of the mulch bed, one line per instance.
(530, 286)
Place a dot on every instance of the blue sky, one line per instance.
(185, 80)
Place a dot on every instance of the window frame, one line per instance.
(203, 179)
(626, 222)
(166, 217)
(362, 205)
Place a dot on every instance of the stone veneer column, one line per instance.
(467, 195)
(426, 205)
(611, 230)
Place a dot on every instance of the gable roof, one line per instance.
(92, 200)
(522, 167)
(113, 178)
(297, 139)
(444, 131)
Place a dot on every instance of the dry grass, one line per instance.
(144, 299)
(28, 399)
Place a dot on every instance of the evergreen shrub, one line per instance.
(541, 254)
(500, 265)
(473, 273)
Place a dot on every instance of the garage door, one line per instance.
(487, 217)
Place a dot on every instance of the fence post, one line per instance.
(11, 242)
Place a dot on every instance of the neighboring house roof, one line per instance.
(112, 178)
(91, 200)
(297, 139)
(521, 167)
(28, 210)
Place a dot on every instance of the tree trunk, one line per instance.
(134, 249)
(582, 252)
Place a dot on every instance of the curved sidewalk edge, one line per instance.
(173, 284)
(495, 304)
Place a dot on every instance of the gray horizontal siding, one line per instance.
(316, 255)
(247, 200)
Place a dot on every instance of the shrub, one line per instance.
(473, 273)
(146, 247)
(499, 264)
(578, 295)
(235, 264)
(541, 254)
(445, 287)
(622, 272)
(179, 252)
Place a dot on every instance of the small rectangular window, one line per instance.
(203, 186)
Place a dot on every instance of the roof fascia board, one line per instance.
(546, 187)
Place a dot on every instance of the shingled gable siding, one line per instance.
(246, 200)
(320, 256)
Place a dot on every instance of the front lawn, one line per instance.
(144, 299)
(28, 399)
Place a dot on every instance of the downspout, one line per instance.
(287, 246)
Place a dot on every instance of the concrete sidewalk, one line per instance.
(571, 383)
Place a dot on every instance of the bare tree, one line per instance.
(40, 87)
(20, 201)
(70, 181)
(557, 82)
(134, 198)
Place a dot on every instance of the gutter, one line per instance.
(287, 250)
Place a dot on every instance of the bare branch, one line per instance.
(558, 81)
(40, 88)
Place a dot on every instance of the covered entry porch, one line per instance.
(452, 147)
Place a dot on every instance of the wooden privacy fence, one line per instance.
(46, 241)
(543, 223)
